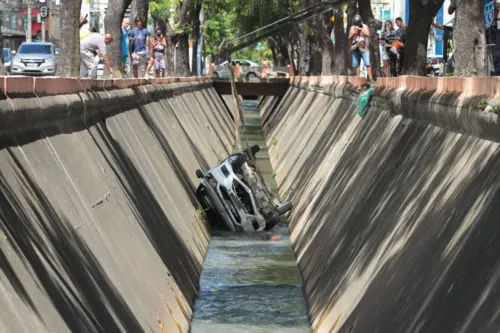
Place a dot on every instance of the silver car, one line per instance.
(249, 69)
(34, 59)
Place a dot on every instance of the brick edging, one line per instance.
(27, 85)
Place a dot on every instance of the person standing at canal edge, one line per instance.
(89, 47)
(139, 42)
(158, 57)
(359, 35)
(125, 45)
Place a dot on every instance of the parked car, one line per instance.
(249, 69)
(236, 198)
(7, 60)
(34, 59)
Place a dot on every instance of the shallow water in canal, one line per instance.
(249, 284)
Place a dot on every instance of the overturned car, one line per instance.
(236, 197)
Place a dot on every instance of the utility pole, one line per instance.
(43, 30)
(28, 21)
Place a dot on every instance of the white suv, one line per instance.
(34, 59)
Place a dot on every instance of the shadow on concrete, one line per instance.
(177, 167)
(395, 215)
(159, 229)
(59, 260)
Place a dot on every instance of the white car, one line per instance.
(249, 69)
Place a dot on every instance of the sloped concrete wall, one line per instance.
(98, 224)
(395, 224)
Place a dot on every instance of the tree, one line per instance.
(365, 10)
(140, 8)
(69, 59)
(113, 24)
(323, 27)
(469, 38)
(339, 57)
(351, 11)
(421, 14)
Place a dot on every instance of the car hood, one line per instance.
(33, 56)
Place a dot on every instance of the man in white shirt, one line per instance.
(89, 46)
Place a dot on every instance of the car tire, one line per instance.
(271, 221)
(251, 75)
(216, 75)
(199, 174)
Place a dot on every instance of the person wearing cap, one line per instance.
(359, 35)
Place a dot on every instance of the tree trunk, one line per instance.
(140, 9)
(324, 27)
(171, 41)
(113, 24)
(182, 62)
(351, 11)
(321, 44)
(282, 57)
(315, 56)
(301, 57)
(69, 58)
(421, 14)
(196, 33)
(469, 37)
(365, 10)
(339, 57)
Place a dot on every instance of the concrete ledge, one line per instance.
(21, 86)
(478, 86)
(82, 102)
(451, 103)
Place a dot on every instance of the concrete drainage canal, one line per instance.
(250, 282)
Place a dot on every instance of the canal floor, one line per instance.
(249, 284)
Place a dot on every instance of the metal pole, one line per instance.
(43, 30)
(28, 21)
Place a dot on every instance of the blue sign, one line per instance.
(438, 37)
(489, 11)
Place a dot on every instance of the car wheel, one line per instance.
(271, 221)
(216, 75)
(199, 174)
(251, 75)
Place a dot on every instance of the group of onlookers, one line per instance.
(391, 46)
(137, 48)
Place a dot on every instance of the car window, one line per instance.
(6, 53)
(35, 48)
(244, 63)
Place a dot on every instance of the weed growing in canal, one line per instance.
(274, 142)
(274, 175)
(200, 215)
(495, 109)
(381, 100)
(484, 106)
(481, 106)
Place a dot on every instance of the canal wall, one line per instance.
(99, 227)
(395, 220)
